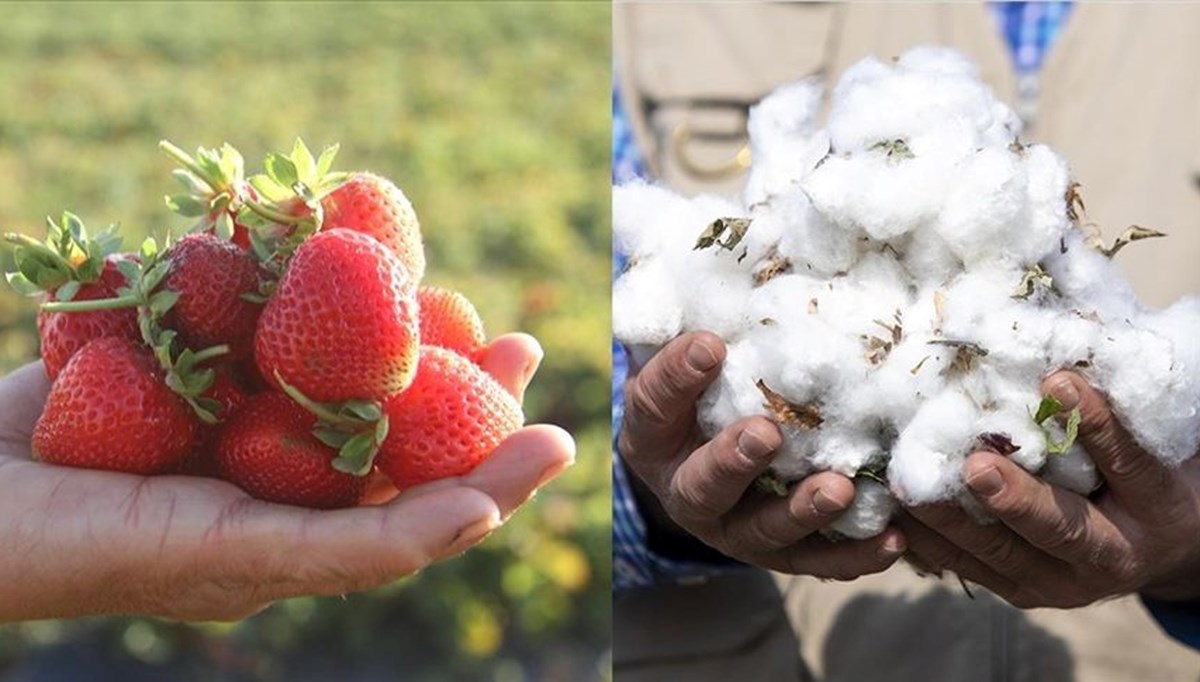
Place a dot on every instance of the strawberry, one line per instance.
(229, 396)
(373, 205)
(70, 265)
(268, 450)
(450, 321)
(211, 277)
(216, 188)
(450, 418)
(63, 334)
(301, 196)
(110, 408)
(343, 323)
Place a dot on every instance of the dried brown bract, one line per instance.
(771, 267)
(1035, 280)
(732, 229)
(965, 353)
(1133, 234)
(806, 416)
(894, 149)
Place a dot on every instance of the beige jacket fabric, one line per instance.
(1120, 100)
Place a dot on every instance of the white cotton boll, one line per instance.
(1012, 420)
(646, 305)
(889, 297)
(771, 224)
(926, 463)
(870, 512)
(733, 395)
(714, 302)
(928, 259)
(844, 449)
(1047, 224)
(812, 243)
(984, 208)
(937, 59)
(883, 197)
(1072, 342)
(929, 111)
(1155, 384)
(1138, 370)
(793, 460)
(1073, 470)
(1090, 282)
(913, 372)
(808, 356)
(784, 141)
(649, 221)
(639, 210)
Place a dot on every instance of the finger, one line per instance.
(716, 475)
(995, 545)
(22, 396)
(938, 553)
(1139, 483)
(660, 401)
(512, 359)
(768, 524)
(284, 551)
(524, 462)
(841, 560)
(1051, 520)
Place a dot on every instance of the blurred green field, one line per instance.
(494, 119)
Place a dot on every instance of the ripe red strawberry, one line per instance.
(450, 321)
(373, 205)
(450, 418)
(268, 450)
(202, 461)
(63, 334)
(111, 409)
(343, 323)
(211, 275)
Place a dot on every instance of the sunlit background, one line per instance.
(494, 119)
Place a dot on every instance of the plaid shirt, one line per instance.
(1028, 28)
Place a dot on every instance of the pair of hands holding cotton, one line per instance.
(79, 542)
(1050, 547)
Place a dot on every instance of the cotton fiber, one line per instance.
(894, 286)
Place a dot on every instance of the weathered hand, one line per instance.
(80, 542)
(1053, 547)
(707, 487)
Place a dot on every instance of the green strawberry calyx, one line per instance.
(68, 258)
(215, 188)
(182, 367)
(356, 428)
(290, 190)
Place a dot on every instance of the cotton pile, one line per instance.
(894, 286)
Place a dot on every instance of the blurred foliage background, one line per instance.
(494, 119)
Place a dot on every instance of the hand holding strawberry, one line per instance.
(200, 549)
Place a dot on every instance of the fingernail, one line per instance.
(1064, 392)
(549, 473)
(986, 481)
(471, 535)
(750, 445)
(826, 505)
(891, 547)
(700, 357)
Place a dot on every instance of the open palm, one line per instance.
(80, 542)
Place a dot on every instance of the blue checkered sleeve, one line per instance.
(1029, 29)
